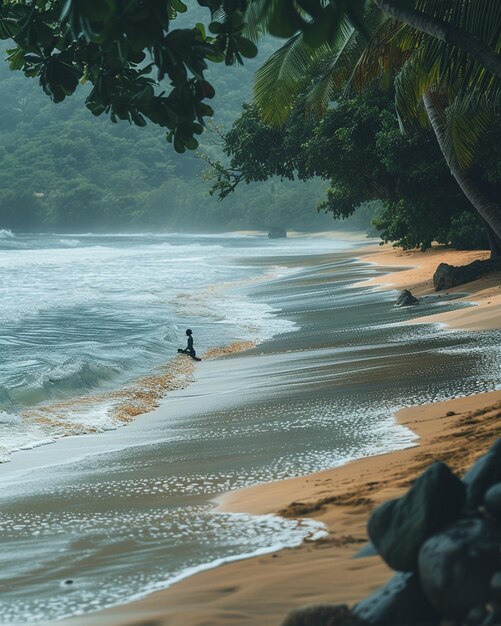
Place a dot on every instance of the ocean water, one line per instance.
(85, 318)
(128, 511)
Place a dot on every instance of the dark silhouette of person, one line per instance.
(189, 347)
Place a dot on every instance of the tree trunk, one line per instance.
(494, 241)
(439, 29)
(490, 211)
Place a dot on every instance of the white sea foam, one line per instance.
(243, 536)
(90, 313)
(288, 534)
(70, 243)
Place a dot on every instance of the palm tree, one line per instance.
(320, 22)
(432, 17)
(433, 80)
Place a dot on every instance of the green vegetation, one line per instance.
(442, 61)
(124, 51)
(61, 169)
(143, 63)
(359, 148)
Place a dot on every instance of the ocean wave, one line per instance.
(47, 419)
(72, 378)
(93, 317)
(70, 243)
(5, 233)
(7, 419)
(75, 375)
(6, 400)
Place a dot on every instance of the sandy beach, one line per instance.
(264, 589)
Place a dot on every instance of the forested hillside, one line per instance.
(63, 169)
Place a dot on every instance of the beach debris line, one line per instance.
(406, 299)
(443, 538)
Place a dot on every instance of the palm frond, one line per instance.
(482, 19)
(256, 19)
(382, 57)
(280, 80)
(468, 118)
(470, 93)
(340, 65)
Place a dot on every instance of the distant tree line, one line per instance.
(440, 60)
(399, 103)
(359, 148)
(63, 170)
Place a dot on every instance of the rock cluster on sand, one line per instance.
(443, 537)
(406, 299)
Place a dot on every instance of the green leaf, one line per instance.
(97, 10)
(191, 144)
(201, 28)
(178, 6)
(179, 144)
(247, 47)
(216, 28)
(284, 20)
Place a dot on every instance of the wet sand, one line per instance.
(263, 589)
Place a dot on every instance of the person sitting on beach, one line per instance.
(189, 348)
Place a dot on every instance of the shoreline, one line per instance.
(342, 497)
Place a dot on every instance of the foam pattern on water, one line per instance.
(131, 516)
(85, 316)
(107, 545)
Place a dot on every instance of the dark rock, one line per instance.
(456, 566)
(406, 299)
(398, 528)
(323, 615)
(401, 601)
(492, 501)
(277, 233)
(484, 473)
(447, 276)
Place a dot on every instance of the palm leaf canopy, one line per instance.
(387, 49)
(471, 95)
(319, 72)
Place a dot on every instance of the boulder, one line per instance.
(447, 276)
(482, 475)
(456, 566)
(406, 299)
(277, 233)
(399, 602)
(398, 528)
(323, 615)
(492, 501)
